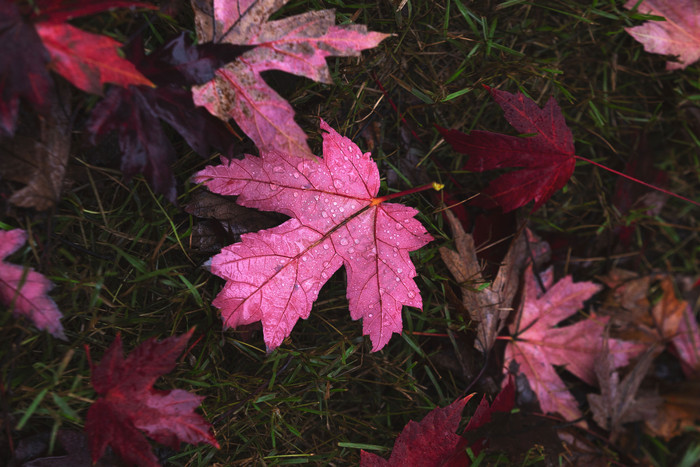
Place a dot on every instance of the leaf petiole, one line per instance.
(435, 186)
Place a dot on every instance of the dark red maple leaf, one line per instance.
(34, 37)
(135, 111)
(430, 442)
(545, 153)
(433, 441)
(275, 275)
(130, 407)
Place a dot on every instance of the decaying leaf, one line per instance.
(297, 44)
(39, 159)
(670, 321)
(618, 402)
(678, 412)
(224, 221)
(489, 306)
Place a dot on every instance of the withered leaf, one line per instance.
(491, 305)
(617, 402)
(223, 221)
(40, 161)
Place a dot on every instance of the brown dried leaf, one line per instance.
(617, 402)
(225, 220)
(679, 411)
(40, 160)
(490, 306)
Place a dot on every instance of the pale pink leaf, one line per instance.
(25, 290)
(678, 35)
(275, 275)
(538, 345)
(297, 44)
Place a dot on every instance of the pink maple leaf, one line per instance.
(129, 405)
(25, 290)
(275, 275)
(538, 345)
(678, 35)
(297, 44)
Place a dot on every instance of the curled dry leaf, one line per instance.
(491, 305)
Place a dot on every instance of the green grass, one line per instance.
(122, 261)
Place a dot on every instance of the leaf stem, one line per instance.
(435, 186)
(649, 185)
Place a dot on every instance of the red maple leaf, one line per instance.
(433, 441)
(538, 345)
(430, 442)
(34, 35)
(297, 44)
(275, 275)
(545, 153)
(129, 405)
(678, 34)
(25, 290)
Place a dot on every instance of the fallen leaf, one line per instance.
(686, 344)
(24, 290)
(297, 44)
(135, 112)
(275, 275)
(618, 402)
(87, 60)
(678, 413)
(537, 345)
(545, 153)
(678, 34)
(23, 71)
(40, 161)
(488, 306)
(483, 415)
(130, 407)
(427, 443)
(669, 321)
(224, 220)
(35, 37)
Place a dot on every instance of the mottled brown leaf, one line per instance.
(39, 159)
(491, 305)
